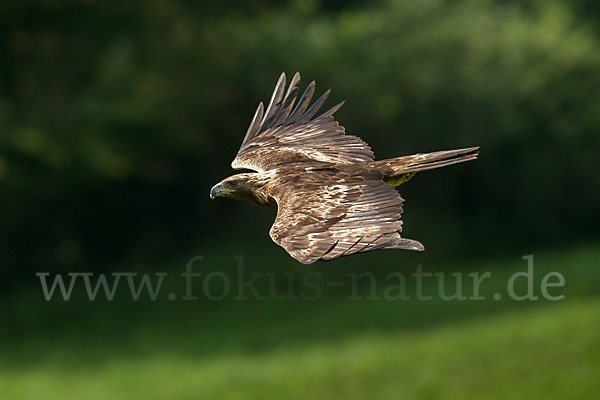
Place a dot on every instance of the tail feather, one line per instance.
(395, 167)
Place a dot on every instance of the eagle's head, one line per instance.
(246, 186)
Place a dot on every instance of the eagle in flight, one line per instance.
(332, 198)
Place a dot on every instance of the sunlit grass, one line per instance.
(552, 353)
(329, 348)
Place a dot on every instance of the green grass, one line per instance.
(328, 348)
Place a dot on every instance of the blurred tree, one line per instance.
(117, 118)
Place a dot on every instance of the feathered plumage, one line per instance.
(333, 199)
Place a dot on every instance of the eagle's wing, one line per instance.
(327, 214)
(284, 134)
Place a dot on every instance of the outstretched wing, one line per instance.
(328, 213)
(283, 134)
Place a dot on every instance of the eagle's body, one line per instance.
(333, 198)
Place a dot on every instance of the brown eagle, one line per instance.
(333, 199)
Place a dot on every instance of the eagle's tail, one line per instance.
(400, 169)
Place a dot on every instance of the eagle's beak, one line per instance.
(214, 192)
(221, 189)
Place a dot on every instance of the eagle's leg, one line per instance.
(399, 179)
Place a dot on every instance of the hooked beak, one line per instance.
(214, 192)
(219, 190)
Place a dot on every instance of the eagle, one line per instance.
(332, 198)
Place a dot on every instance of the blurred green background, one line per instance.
(116, 118)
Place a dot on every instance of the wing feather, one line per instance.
(321, 218)
(314, 108)
(273, 106)
(282, 134)
(255, 123)
(288, 101)
(302, 104)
